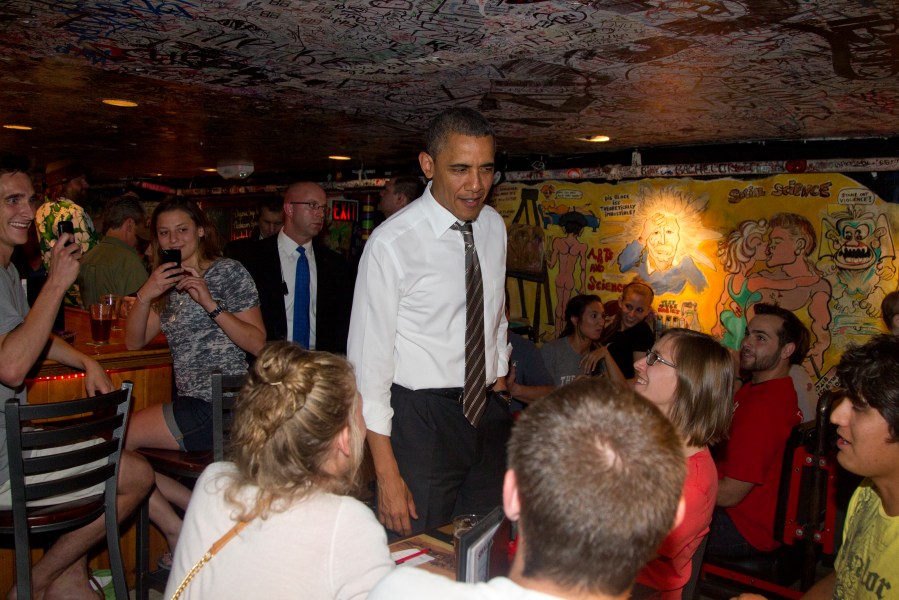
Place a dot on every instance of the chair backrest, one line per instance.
(224, 393)
(81, 441)
(690, 589)
(802, 496)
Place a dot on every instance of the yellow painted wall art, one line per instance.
(820, 245)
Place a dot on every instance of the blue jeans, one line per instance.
(725, 539)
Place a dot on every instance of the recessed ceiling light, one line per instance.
(597, 138)
(210, 170)
(338, 157)
(119, 102)
(18, 127)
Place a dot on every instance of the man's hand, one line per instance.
(64, 263)
(96, 381)
(395, 504)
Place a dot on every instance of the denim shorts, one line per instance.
(190, 421)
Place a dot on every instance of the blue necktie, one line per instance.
(301, 301)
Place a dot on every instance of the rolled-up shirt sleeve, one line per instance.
(370, 347)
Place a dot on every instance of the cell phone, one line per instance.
(65, 227)
(169, 256)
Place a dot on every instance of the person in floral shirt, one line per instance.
(66, 184)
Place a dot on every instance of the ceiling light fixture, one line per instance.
(119, 102)
(18, 127)
(235, 168)
(209, 170)
(597, 138)
(339, 157)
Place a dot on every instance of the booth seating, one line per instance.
(805, 523)
(186, 466)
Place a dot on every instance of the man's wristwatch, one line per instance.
(216, 312)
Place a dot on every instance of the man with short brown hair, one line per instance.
(25, 339)
(595, 481)
(765, 412)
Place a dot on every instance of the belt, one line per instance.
(455, 393)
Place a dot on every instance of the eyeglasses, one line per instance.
(652, 357)
(313, 206)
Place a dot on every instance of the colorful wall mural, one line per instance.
(820, 245)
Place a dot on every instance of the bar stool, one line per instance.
(185, 466)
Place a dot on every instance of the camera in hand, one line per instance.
(65, 227)
(172, 256)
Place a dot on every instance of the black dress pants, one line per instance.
(450, 467)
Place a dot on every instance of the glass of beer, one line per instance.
(115, 302)
(102, 316)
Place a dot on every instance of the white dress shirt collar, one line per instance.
(436, 214)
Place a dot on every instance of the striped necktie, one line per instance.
(474, 395)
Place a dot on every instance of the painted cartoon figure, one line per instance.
(791, 240)
(856, 255)
(666, 232)
(741, 252)
(568, 252)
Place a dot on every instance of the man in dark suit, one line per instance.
(269, 220)
(274, 265)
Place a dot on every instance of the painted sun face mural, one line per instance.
(666, 232)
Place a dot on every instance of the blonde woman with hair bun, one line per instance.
(280, 506)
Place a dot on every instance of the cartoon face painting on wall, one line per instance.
(857, 253)
(664, 238)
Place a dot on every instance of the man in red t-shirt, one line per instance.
(765, 412)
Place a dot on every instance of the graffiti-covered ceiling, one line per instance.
(285, 83)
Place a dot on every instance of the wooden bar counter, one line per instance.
(150, 369)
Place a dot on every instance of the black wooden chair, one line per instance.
(101, 418)
(805, 522)
(186, 466)
(190, 465)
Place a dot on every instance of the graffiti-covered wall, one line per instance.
(820, 245)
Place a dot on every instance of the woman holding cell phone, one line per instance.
(208, 308)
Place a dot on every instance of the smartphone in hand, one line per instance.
(65, 227)
(172, 256)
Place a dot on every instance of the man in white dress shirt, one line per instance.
(595, 476)
(408, 335)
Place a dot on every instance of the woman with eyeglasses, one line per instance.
(277, 519)
(689, 376)
(577, 353)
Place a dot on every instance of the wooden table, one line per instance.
(439, 544)
(150, 369)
